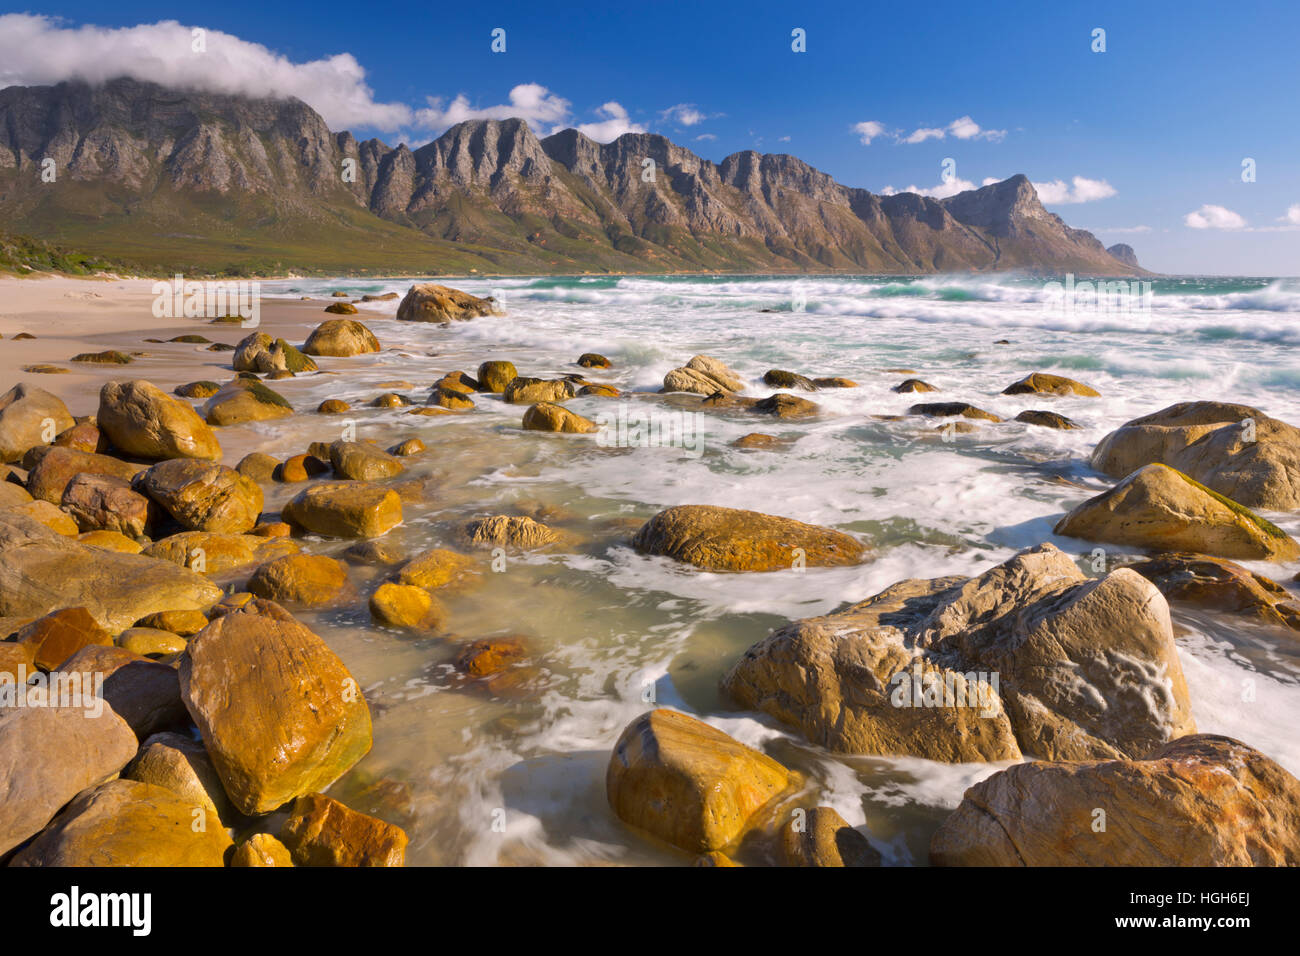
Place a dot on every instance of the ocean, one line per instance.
(519, 778)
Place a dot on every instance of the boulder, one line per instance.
(913, 385)
(429, 302)
(440, 397)
(358, 461)
(438, 568)
(412, 446)
(50, 754)
(50, 477)
(689, 784)
(528, 391)
(703, 375)
(143, 421)
(333, 406)
(1162, 509)
(204, 389)
(29, 416)
(151, 642)
(508, 531)
(203, 496)
(184, 623)
(257, 466)
(1200, 801)
(495, 376)
(341, 308)
(305, 580)
(12, 494)
(730, 539)
(1030, 657)
(111, 540)
(1221, 586)
(782, 405)
(106, 503)
(279, 713)
(47, 514)
(83, 437)
(128, 823)
(1235, 450)
(346, 510)
(408, 606)
(821, 837)
(952, 409)
(1046, 419)
(594, 360)
(41, 571)
(245, 400)
(1042, 383)
(546, 417)
(341, 338)
(778, 378)
(261, 353)
(320, 831)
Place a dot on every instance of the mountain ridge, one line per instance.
(146, 172)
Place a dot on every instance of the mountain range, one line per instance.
(199, 181)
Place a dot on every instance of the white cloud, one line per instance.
(1080, 189)
(1214, 217)
(1121, 230)
(942, 191)
(961, 128)
(868, 130)
(685, 114)
(705, 137)
(38, 50)
(783, 139)
(614, 125)
(528, 101)
(1292, 215)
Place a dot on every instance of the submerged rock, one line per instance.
(358, 461)
(1043, 383)
(952, 409)
(495, 376)
(529, 391)
(1029, 657)
(546, 417)
(341, 338)
(305, 580)
(508, 531)
(349, 510)
(320, 831)
(779, 378)
(1045, 419)
(1203, 800)
(730, 539)
(1222, 586)
(821, 837)
(1159, 508)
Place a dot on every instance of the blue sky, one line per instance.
(1156, 127)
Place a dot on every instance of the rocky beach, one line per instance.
(648, 571)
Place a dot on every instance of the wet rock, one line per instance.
(108, 357)
(261, 849)
(47, 514)
(104, 503)
(821, 837)
(358, 461)
(407, 606)
(1235, 450)
(29, 416)
(127, 823)
(438, 568)
(1045, 419)
(341, 308)
(207, 553)
(913, 385)
(1030, 657)
(333, 406)
(82, 437)
(54, 638)
(245, 400)
(1222, 586)
(341, 338)
(545, 417)
(951, 409)
(1041, 383)
(1162, 509)
(430, 302)
(185, 623)
(378, 553)
(687, 783)
(599, 390)
(304, 580)
(594, 360)
(778, 378)
(300, 468)
(412, 446)
(703, 375)
(782, 405)
(835, 382)
(151, 642)
(278, 711)
(351, 510)
(446, 398)
(730, 539)
(257, 466)
(509, 532)
(757, 441)
(321, 831)
(495, 376)
(41, 571)
(529, 391)
(1200, 801)
(111, 540)
(50, 477)
(141, 420)
(491, 656)
(182, 765)
(203, 496)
